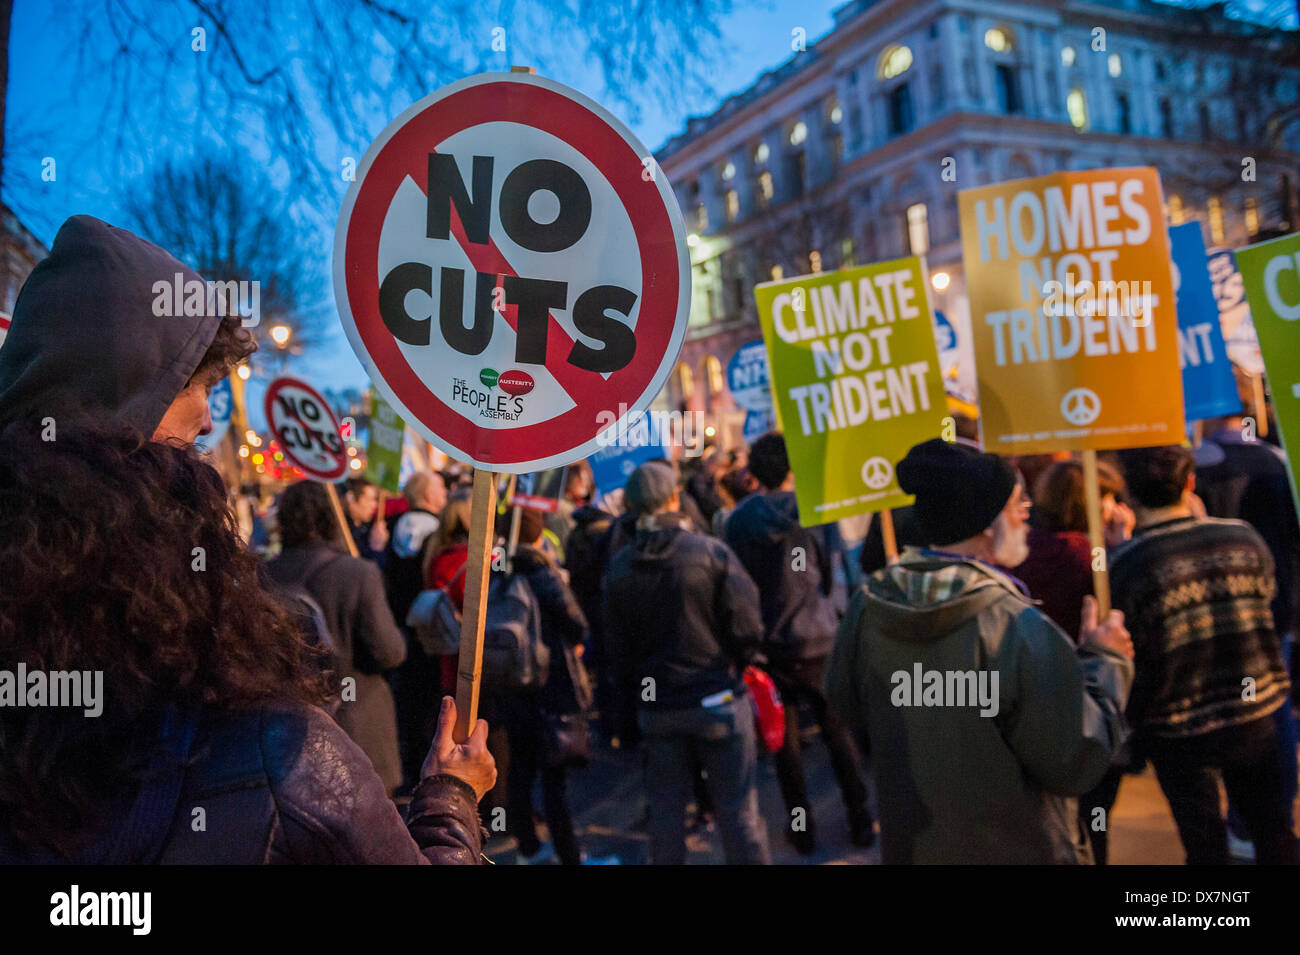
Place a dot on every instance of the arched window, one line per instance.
(895, 61)
(683, 385)
(715, 382)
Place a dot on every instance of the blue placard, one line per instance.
(1209, 388)
(220, 404)
(748, 379)
(611, 465)
(757, 424)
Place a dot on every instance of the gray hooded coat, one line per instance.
(961, 782)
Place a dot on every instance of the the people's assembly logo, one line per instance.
(507, 405)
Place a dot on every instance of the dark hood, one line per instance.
(85, 341)
(660, 541)
(922, 600)
(771, 515)
(529, 559)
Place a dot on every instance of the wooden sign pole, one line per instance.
(482, 521)
(343, 521)
(1261, 406)
(1096, 533)
(887, 536)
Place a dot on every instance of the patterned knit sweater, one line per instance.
(1195, 595)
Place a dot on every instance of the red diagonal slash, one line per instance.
(487, 258)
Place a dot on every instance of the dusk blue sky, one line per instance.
(91, 179)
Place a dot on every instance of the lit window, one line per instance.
(918, 229)
(798, 134)
(702, 218)
(997, 40)
(765, 185)
(1114, 64)
(1252, 217)
(895, 61)
(713, 374)
(685, 381)
(1176, 214)
(846, 252)
(837, 114)
(1077, 106)
(733, 205)
(1216, 220)
(729, 171)
(761, 153)
(778, 273)
(1067, 55)
(815, 260)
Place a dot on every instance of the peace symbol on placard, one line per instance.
(877, 473)
(1080, 406)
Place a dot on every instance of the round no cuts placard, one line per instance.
(304, 425)
(510, 267)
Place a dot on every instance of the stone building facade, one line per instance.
(854, 150)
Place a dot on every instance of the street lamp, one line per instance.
(940, 281)
(243, 371)
(280, 334)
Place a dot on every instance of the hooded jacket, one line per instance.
(964, 780)
(281, 783)
(680, 609)
(86, 340)
(794, 584)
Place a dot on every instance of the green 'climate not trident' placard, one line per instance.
(856, 382)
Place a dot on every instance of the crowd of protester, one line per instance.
(305, 701)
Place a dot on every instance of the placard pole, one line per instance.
(482, 520)
(343, 520)
(887, 536)
(1096, 533)
(512, 543)
(1261, 407)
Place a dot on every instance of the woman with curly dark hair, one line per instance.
(119, 556)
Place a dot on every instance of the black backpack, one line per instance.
(514, 655)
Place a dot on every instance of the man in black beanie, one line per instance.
(985, 723)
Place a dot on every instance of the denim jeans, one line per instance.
(722, 740)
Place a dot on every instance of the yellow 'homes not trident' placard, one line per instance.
(1073, 312)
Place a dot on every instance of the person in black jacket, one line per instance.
(682, 622)
(525, 713)
(791, 565)
(416, 682)
(350, 592)
(121, 558)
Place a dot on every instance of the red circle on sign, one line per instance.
(516, 383)
(272, 392)
(659, 234)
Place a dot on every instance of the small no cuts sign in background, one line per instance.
(304, 425)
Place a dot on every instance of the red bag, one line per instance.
(769, 711)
